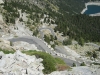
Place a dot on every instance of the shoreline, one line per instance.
(91, 3)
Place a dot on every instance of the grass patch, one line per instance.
(59, 61)
(6, 51)
(96, 63)
(50, 63)
(61, 65)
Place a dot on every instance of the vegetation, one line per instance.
(11, 44)
(99, 49)
(89, 54)
(59, 61)
(96, 63)
(82, 28)
(47, 39)
(74, 65)
(21, 20)
(67, 42)
(35, 33)
(50, 63)
(83, 64)
(93, 54)
(6, 51)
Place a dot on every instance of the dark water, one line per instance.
(92, 9)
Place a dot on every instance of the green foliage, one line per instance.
(83, 64)
(92, 54)
(35, 33)
(95, 55)
(74, 65)
(81, 41)
(49, 62)
(11, 44)
(59, 61)
(53, 46)
(11, 12)
(47, 39)
(96, 63)
(6, 51)
(55, 38)
(99, 49)
(51, 38)
(88, 53)
(44, 20)
(67, 42)
(21, 20)
(82, 28)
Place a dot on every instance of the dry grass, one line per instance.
(62, 67)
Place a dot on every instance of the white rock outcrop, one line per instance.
(20, 45)
(20, 64)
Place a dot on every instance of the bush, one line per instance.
(21, 20)
(82, 64)
(96, 63)
(53, 46)
(99, 48)
(81, 41)
(11, 44)
(47, 39)
(94, 55)
(74, 65)
(6, 51)
(67, 42)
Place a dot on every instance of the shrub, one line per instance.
(67, 42)
(96, 63)
(94, 55)
(82, 64)
(47, 39)
(6, 51)
(74, 65)
(11, 44)
(81, 41)
(99, 48)
(21, 20)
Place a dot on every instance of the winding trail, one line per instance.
(42, 46)
(32, 40)
(41, 33)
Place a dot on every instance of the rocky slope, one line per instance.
(20, 64)
(20, 18)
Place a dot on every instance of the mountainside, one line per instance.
(72, 6)
(64, 13)
(54, 30)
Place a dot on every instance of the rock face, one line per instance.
(4, 44)
(20, 64)
(24, 46)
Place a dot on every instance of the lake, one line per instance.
(92, 9)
